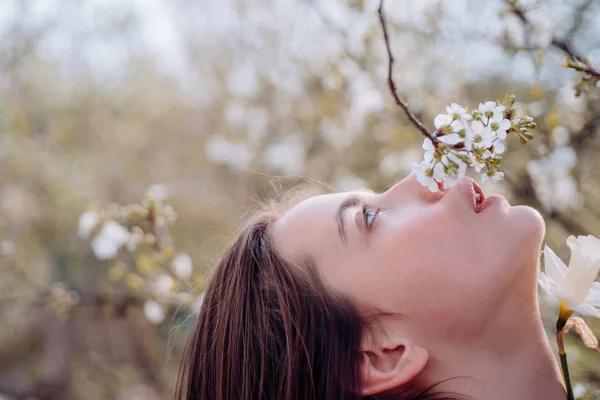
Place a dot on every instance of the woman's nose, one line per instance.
(409, 188)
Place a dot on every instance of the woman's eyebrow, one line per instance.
(350, 201)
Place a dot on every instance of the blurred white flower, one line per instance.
(561, 135)
(541, 30)
(132, 242)
(221, 150)
(7, 248)
(287, 154)
(163, 285)
(555, 188)
(579, 389)
(576, 284)
(182, 266)
(87, 222)
(184, 298)
(158, 192)
(109, 240)
(535, 109)
(154, 311)
(514, 30)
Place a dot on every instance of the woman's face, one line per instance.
(428, 256)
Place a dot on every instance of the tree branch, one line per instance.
(563, 45)
(392, 85)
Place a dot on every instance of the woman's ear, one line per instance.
(388, 366)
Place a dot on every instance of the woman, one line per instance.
(407, 294)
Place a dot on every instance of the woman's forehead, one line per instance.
(310, 222)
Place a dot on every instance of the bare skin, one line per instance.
(464, 283)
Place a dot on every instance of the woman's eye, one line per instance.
(370, 217)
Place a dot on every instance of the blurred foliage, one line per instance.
(226, 103)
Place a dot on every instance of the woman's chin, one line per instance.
(528, 224)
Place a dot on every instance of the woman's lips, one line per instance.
(478, 198)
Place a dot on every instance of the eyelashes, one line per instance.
(369, 213)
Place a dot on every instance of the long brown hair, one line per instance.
(270, 330)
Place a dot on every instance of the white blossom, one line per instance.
(154, 311)
(87, 222)
(491, 112)
(561, 135)
(454, 174)
(541, 30)
(158, 192)
(484, 137)
(499, 147)
(500, 128)
(451, 139)
(163, 285)
(182, 266)
(456, 109)
(555, 188)
(429, 149)
(462, 140)
(576, 284)
(426, 174)
(109, 240)
(579, 389)
(495, 177)
(442, 120)
(132, 242)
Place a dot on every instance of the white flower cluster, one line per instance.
(474, 139)
(160, 274)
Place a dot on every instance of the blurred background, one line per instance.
(136, 135)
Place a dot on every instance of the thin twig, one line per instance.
(392, 85)
(563, 45)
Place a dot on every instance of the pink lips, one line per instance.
(479, 201)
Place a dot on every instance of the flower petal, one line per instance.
(428, 144)
(499, 148)
(451, 139)
(477, 126)
(593, 296)
(586, 309)
(554, 267)
(433, 186)
(441, 120)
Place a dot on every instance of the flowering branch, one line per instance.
(392, 85)
(462, 139)
(573, 59)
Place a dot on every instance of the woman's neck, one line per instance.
(516, 364)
